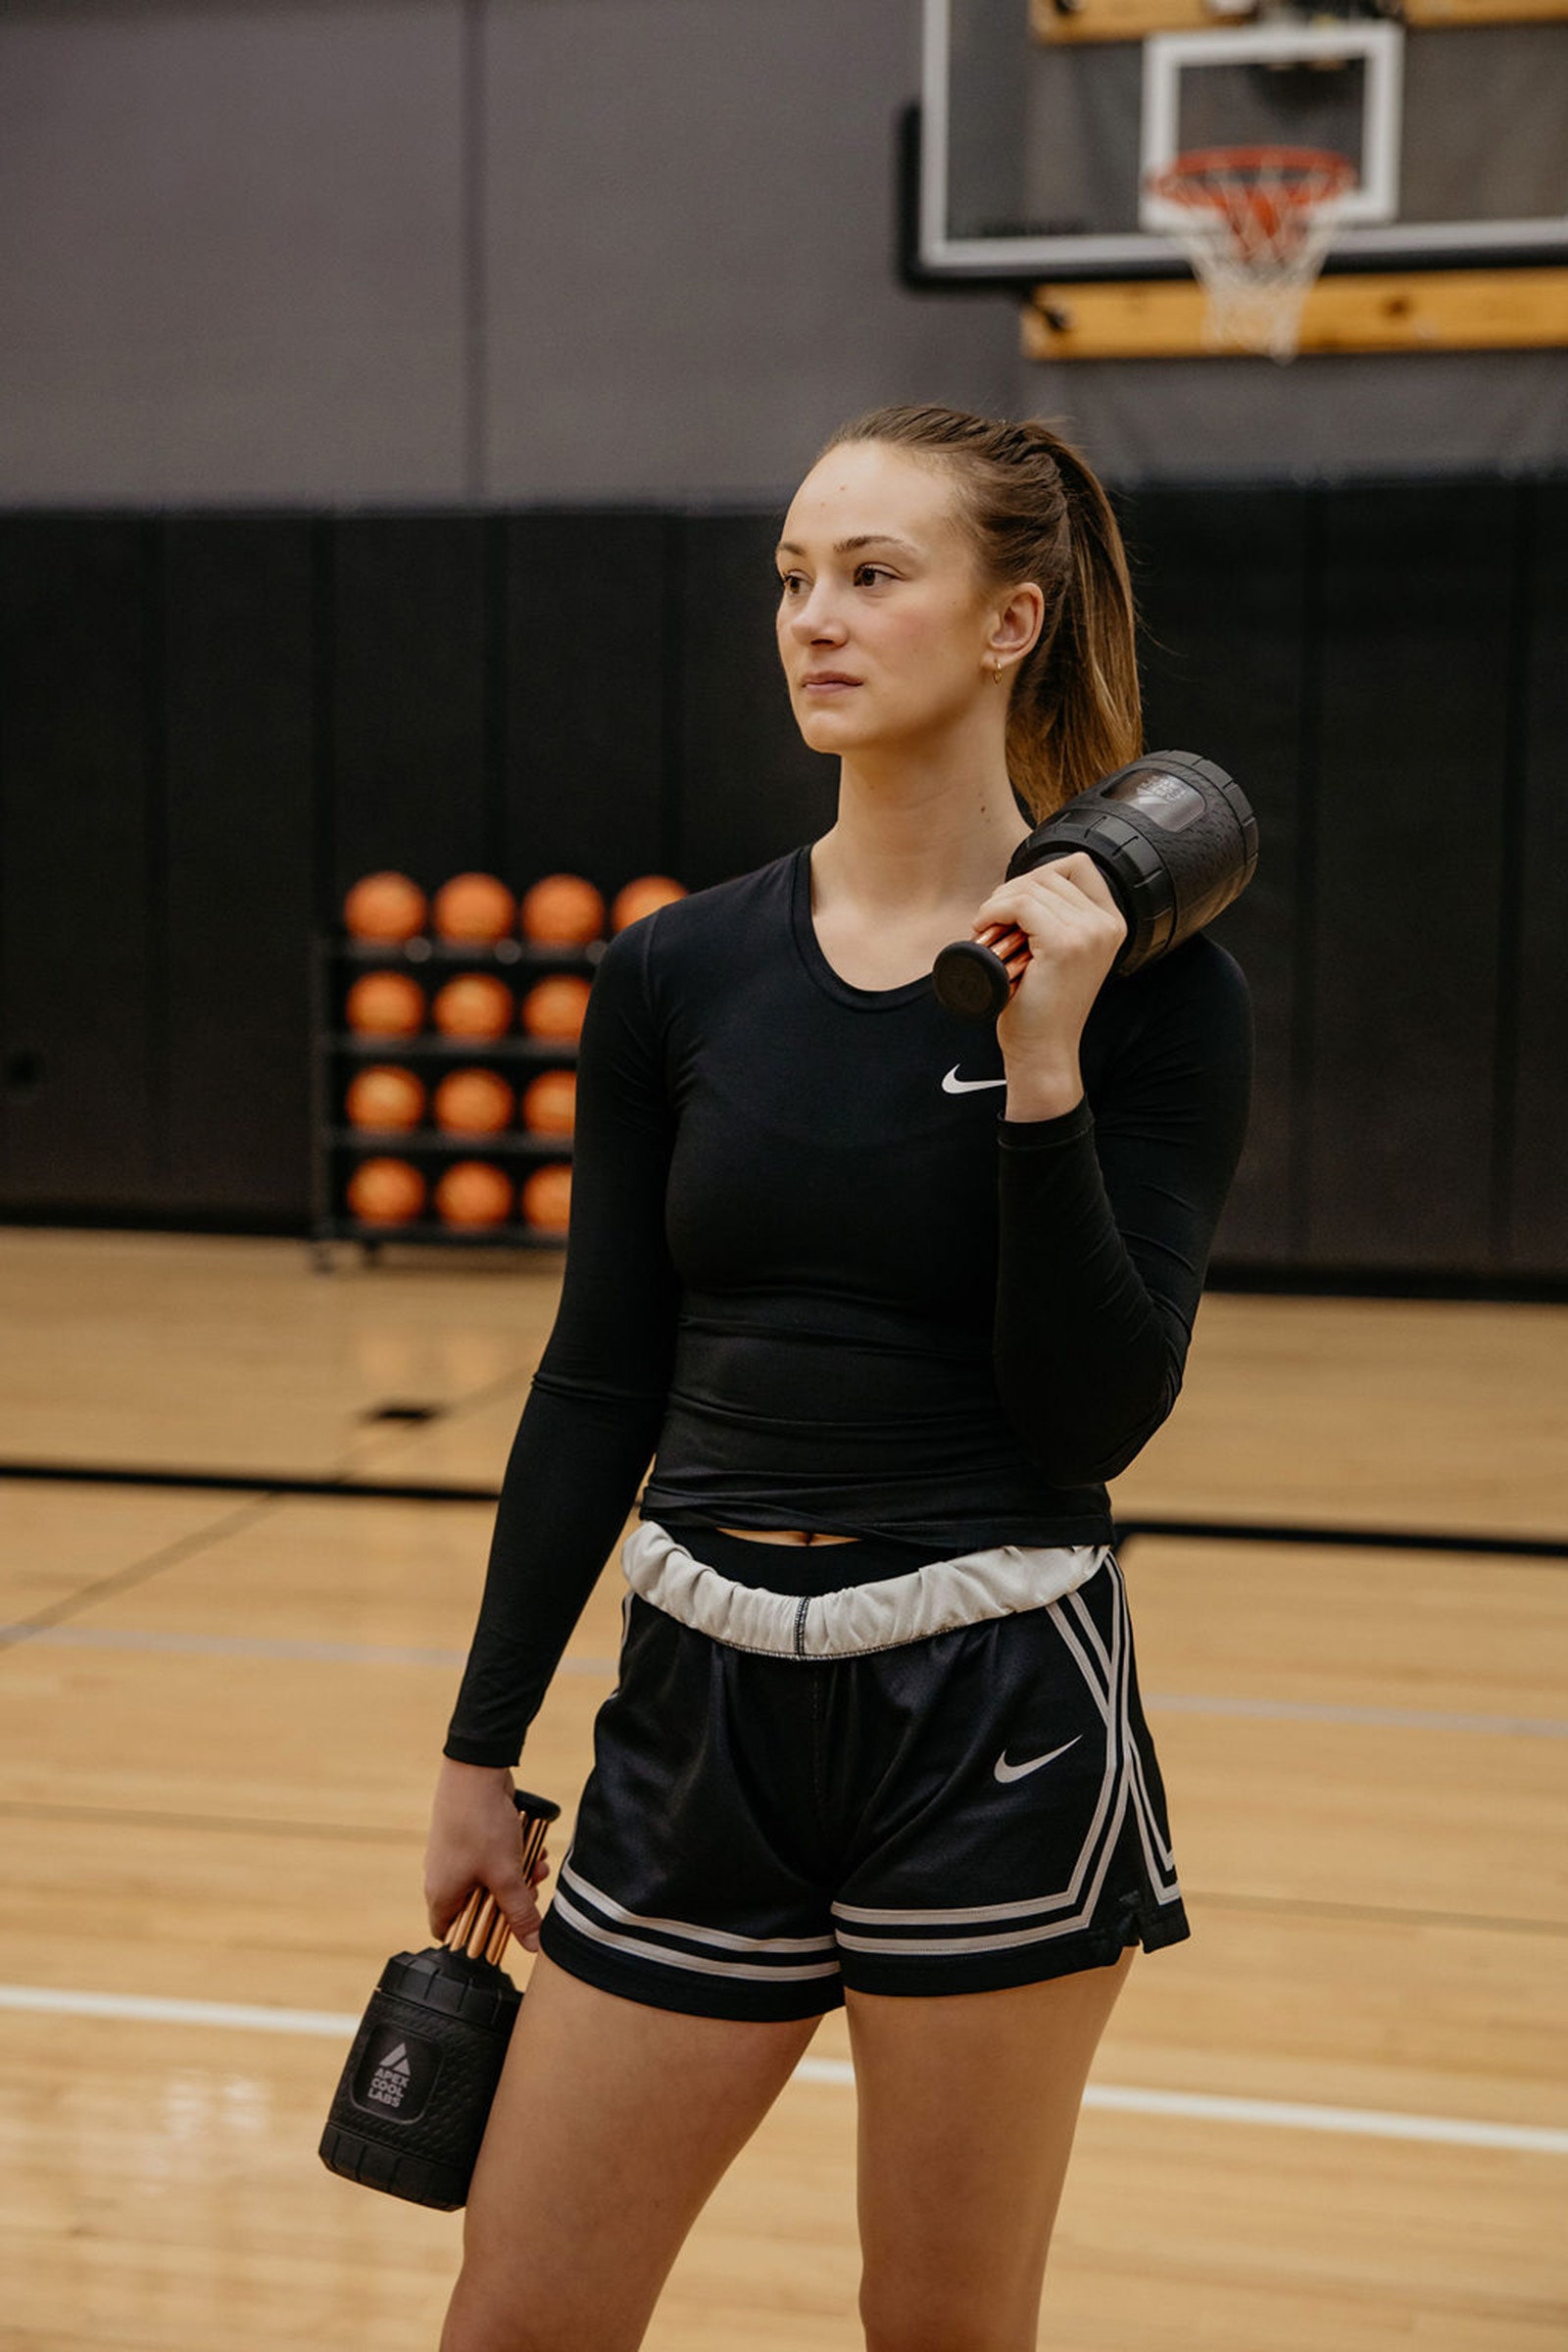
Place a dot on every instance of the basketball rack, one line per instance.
(338, 1052)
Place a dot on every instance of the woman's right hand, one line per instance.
(476, 1840)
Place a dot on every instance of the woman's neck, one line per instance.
(912, 837)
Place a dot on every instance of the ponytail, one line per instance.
(1037, 512)
(1077, 708)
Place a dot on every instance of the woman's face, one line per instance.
(885, 624)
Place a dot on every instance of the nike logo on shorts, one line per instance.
(952, 1084)
(1016, 1772)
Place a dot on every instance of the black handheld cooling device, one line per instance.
(415, 2093)
(1174, 837)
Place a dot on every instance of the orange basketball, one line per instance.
(641, 896)
(384, 1095)
(473, 1005)
(473, 1192)
(550, 1102)
(546, 1200)
(561, 912)
(473, 907)
(474, 1102)
(386, 1192)
(385, 1005)
(554, 1007)
(384, 906)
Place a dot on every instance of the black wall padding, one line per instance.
(1417, 613)
(1224, 585)
(587, 672)
(1533, 1214)
(238, 751)
(83, 893)
(411, 752)
(211, 724)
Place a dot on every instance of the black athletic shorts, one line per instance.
(975, 1809)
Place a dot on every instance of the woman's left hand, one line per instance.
(1075, 931)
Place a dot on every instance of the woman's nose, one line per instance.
(817, 622)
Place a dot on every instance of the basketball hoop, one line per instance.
(1255, 223)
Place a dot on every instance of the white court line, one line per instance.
(151, 2009)
(1367, 2122)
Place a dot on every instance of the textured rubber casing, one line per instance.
(1175, 838)
(414, 2094)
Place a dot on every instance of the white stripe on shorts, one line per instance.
(934, 1600)
(1157, 1857)
(730, 1943)
(618, 1940)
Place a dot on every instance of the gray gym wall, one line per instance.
(523, 251)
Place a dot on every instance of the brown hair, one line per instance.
(1036, 511)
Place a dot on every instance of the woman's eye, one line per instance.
(865, 573)
(789, 582)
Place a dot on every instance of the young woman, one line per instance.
(888, 1298)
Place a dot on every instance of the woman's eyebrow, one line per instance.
(849, 547)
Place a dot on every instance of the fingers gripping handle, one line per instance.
(481, 1929)
(977, 978)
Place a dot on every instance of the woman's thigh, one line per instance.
(967, 2107)
(611, 2126)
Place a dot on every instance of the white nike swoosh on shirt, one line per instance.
(1015, 1772)
(952, 1084)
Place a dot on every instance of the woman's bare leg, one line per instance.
(967, 2107)
(611, 2126)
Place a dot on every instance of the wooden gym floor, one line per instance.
(1336, 2118)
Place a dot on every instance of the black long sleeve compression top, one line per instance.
(816, 1278)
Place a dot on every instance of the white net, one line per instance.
(1256, 222)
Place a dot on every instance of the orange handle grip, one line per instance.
(1011, 947)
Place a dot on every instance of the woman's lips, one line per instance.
(827, 682)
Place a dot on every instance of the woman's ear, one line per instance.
(1018, 622)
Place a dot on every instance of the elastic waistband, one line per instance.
(858, 1618)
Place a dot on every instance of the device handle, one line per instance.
(481, 1929)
